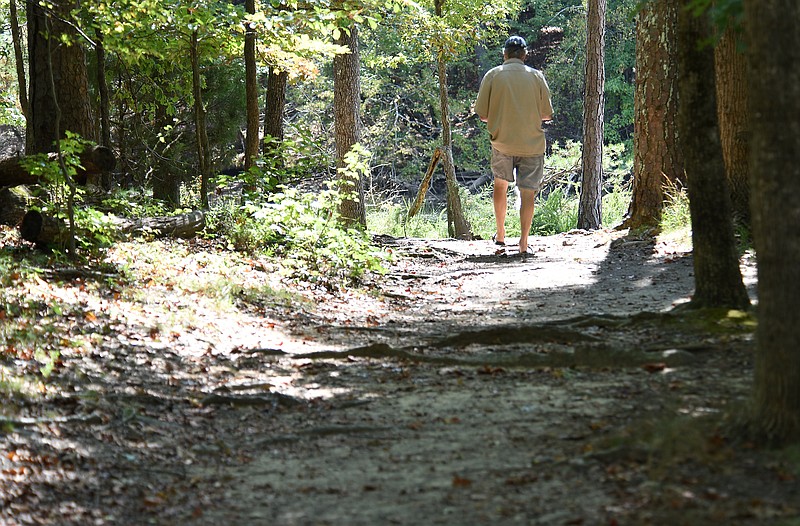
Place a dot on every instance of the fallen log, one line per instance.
(48, 231)
(183, 226)
(43, 230)
(94, 162)
(14, 202)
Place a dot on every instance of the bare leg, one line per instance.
(527, 198)
(500, 201)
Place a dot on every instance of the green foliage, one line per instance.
(135, 204)
(676, 215)
(93, 229)
(303, 230)
(555, 213)
(302, 227)
(567, 64)
(724, 13)
(57, 173)
(556, 205)
(390, 218)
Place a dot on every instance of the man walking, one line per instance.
(513, 100)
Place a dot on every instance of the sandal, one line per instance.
(496, 242)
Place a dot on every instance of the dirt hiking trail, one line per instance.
(468, 386)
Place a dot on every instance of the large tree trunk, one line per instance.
(346, 105)
(274, 108)
(718, 280)
(734, 119)
(251, 89)
(657, 157)
(69, 75)
(774, 48)
(590, 207)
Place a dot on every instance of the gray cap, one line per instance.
(515, 42)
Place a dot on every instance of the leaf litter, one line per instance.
(463, 387)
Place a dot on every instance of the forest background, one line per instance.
(152, 108)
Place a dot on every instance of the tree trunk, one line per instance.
(457, 225)
(774, 52)
(165, 182)
(22, 83)
(273, 110)
(123, 171)
(733, 121)
(69, 74)
(590, 207)
(251, 89)
(718, 280)
(346, 104)
(203, 154)
(657, 157)
(105, 104)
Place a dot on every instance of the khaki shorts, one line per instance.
(529, 170)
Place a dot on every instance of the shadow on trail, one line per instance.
(160, 431)
(612, 312)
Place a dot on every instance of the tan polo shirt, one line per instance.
(514, 98)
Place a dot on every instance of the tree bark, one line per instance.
(590, 206)
(165, 182)
(203, 154)
(347, 122)
(22, 83)
(718, 280)
(657, 157)
(105, 104)
(251, 89)
(774, 52)
(457, 225)
(273, 111)
(45, 48)
(732, 95)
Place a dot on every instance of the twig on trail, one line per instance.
(504, 335)
(90, 419)
(407, 276)
(151, 469)
(382, 350)
(459, 275)
(272, 399)
(396, 295)
(376, 350)
(321, 432)
(261, 351)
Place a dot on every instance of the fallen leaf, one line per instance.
(460, 482)
(656, 367)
